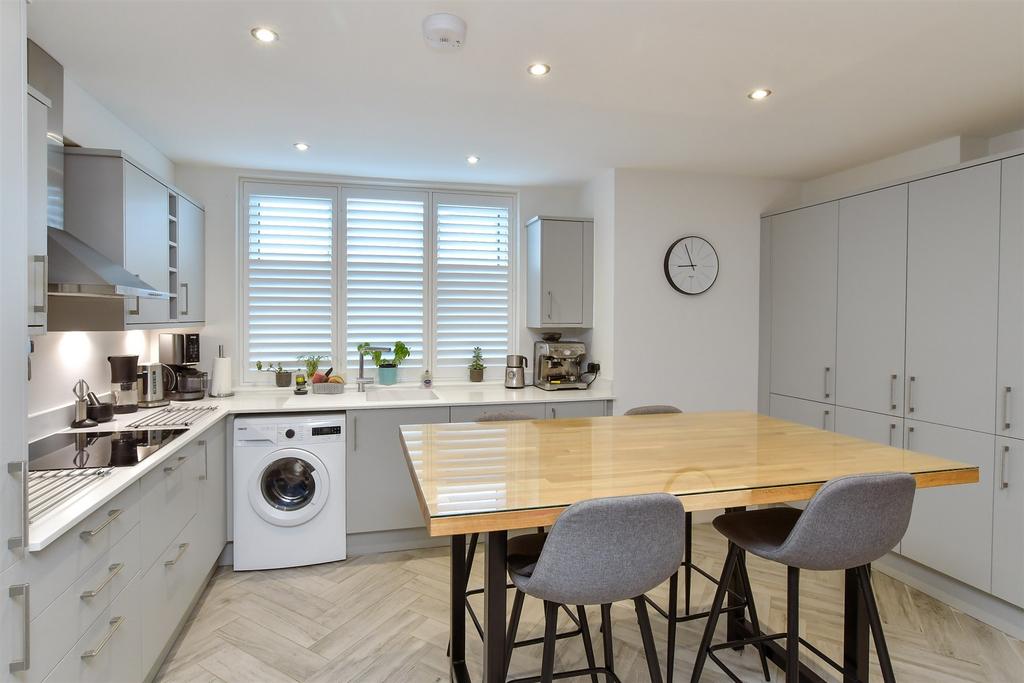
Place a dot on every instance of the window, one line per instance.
(289, 295)
(384, 271)
(472, 279)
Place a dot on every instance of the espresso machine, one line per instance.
(559, 365)
(180, 353)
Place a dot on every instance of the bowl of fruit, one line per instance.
(322, 382)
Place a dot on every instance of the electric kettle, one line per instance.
(515, 371)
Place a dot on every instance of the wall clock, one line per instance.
(691, 265)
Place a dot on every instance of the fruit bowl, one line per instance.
(327, 388)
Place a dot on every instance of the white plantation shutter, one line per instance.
(290, 293)
(472, 272)
(384, 271)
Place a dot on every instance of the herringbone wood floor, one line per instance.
(384, 618)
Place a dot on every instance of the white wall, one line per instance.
(90, 124)
(696, 352)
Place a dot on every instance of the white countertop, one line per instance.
(272, 400)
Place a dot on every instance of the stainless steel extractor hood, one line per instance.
(76, 269)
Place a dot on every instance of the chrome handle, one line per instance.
(111, 516)
(181, 551)
(554, 413)
(21, 468)
(892, 433)
(551, 305)
(21, 590)
(827, 371)
(41, 283)
(206, 459)
(892, 391)
(174, 467)
(1004, 481)
(138, 305)
(824, 419)
(184, 285)
(910, 394)
(910, 430)
(115, 624)
(1006, 407)
(355, 434)
(113, 570)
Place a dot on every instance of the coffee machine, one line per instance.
(124, 383)
(559, 365)
(180, 353)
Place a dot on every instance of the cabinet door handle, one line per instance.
(40, 260)
(111, 516)
(892, 433)
(554, 413)
(21, 590)
(175, 466)
(827, 371)
(181, 551)
(910, 431)
(20, 468)
(1004, 480)
(892, 391)
(355, 434)
(112, 571)
(115, 624)
(910, 394)
(824, 419)
(206, 459)
(551, 305)
(1006, 407)
(184, 311)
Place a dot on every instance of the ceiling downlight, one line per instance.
(538, 69)
(758, 94)
(264, 34)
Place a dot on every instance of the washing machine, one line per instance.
(289, 490)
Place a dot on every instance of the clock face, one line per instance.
(691, 265)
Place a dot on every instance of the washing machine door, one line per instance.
(289, 487)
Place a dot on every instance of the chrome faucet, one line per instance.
(361, 380)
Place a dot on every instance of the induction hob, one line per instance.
(90, 450)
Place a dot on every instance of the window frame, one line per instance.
(338, 192)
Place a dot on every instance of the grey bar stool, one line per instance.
(599, 552)
(849, 523)
(671, 613)
(520, 546)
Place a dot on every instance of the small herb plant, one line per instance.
(401, 352)
(269, 367)
(312, 362)
(478, 359)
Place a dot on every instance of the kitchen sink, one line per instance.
(377, 393)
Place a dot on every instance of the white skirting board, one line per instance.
(982, 606)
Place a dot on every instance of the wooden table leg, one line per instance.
(494, 607)
(856, 646)
(457, 612)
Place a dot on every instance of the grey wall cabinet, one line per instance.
(811, 413)
(560, 272)
(191, 253)
(951, 526)
(803, 283)
(380, 491)
(1007, 516)
(952, 295)
(1010, 371)
(871, 313)
(35, 162)
(884, 429)
(145, 243)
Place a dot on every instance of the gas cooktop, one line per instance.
(89, 450)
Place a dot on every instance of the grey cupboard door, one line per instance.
(951, 526)
(1007, 518)
(803, 282)
(952, 291)
(883, 429)
(871, 311)
(535, 411)
(191, 262)
(380, 492)
(1010, 363)
(810, 413)
(557, 410)
(146, 238)
(561, 272)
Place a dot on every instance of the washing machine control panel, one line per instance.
(288, 433)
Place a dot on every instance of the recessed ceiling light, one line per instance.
(472, 160)
(301, 146)
(538, 69)
(759, 93)
(264, 34)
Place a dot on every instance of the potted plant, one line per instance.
(387, 369)
(476, 366)
(282, 377)
(312, 363)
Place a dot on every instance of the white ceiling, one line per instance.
(632, 84)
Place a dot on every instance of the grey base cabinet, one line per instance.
(1007, 518)
(884, 429)
(951, 526)
(810, 413)
(555, 411)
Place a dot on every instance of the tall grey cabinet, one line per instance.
(560, 272)
(1010, 364)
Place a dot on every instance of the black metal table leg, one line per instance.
(494, 607)
(457, 611)
(734, 619)
(856, 646)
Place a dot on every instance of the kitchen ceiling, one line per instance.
(631, 85)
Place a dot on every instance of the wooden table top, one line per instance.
(490, 476)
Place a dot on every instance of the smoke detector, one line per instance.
(444, 31)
